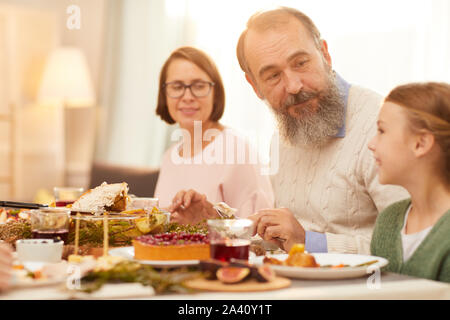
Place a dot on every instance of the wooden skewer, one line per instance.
(105, 234)
(77, 233)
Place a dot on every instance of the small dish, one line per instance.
(39, 250)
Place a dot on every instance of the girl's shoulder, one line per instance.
(386, 234)
(442, 229)
(394, 211)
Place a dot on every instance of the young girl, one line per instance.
(412, 149)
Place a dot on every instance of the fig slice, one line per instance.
(210, 267)
(232, 275)
(264, 273)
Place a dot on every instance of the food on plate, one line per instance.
(210, 267)
(151, 224)
(91, 231)
(154, 222)
(297, 248)
(162, 281)
(187, 228)
(38, 274)
(301, 259)
(106, 197)
(7, 215)
(23, 276)
(75, 258)
(14, 230)
(172, 246)
(224, 210)
(235, 271)
(264, 273)
(107, 262)
(121, 231)
(87, 264)
(297, 258)
(232, 274)
(271, 260)
(257, 249)
(137, 212)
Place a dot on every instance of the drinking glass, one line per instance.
(66, 195)
(50, 223)
(230, 238)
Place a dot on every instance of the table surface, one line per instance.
(391, 286)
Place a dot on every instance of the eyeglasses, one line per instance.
(198, 89)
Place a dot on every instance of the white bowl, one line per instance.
(39, 250)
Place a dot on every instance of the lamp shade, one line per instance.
(66, 79)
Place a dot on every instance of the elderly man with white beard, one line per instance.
(327, 193)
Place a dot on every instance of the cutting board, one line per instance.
(248, 285)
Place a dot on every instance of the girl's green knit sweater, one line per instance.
(431, 259)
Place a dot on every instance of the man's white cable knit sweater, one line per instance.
(334, 189)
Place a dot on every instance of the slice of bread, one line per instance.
(106, 197)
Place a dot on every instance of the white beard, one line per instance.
(312, 128)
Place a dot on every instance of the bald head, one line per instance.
(289, 67)
(273, 19)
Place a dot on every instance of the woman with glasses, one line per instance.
(207, 165)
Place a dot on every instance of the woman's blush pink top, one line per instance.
(226, 170)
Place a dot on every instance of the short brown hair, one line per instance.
(265, 20)
(427, 106)
(204, 62)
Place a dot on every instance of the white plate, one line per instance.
(128, 253)
(116, 291)
(327, 273)
(20, 280)
(19, 283)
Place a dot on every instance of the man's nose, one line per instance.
(293, 82)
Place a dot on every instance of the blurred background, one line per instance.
(79, 78)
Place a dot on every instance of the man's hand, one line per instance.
(191, 207)
(278, 226)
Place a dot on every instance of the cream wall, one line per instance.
(90, 37)
(39, 162)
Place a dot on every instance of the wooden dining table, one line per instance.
(390, 286)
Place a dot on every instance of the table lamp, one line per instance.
(66, 83)
(66, 80)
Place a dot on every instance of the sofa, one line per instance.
(141, 180)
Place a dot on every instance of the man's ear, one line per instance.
(325, 53)
(423, 143)
(252, 82)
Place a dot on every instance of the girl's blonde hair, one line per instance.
(427, 106)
